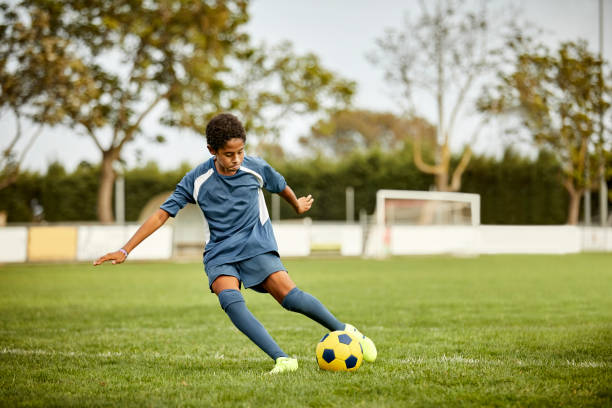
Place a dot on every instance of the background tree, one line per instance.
(139, 56)
(270, 85)
(558, 99)
(35, 67)
(443, 53)
(347, 131)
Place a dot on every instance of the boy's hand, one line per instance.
(304, 204)
(300, 205)
(116, 257)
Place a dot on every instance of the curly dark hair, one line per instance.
(222, 128)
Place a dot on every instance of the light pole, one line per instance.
(350, 205)
(603, 186)
(119, 193)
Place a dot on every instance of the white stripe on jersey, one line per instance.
(263, 210)
(198, 183)
(257, 175)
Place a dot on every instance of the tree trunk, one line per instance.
(442, 181)
(443, 165)
(574, 209)
(573, 212)
(105, 190)
(455, 184)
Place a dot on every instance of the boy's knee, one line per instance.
(228, 297)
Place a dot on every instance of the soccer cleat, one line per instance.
(284, 365)
(367, 345)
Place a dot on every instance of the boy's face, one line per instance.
(229, 157)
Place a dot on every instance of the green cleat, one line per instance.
(284, 365)
(367, 345)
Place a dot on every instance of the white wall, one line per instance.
(95, 241)
(13, 244)
(504, 239)
(346, 237)
(596, 239)
(406, 240)
(293, 239)
(352, 240)
(486, 239)
(298, 238)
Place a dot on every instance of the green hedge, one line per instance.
(366, 173)
(72, 196)
(513, 189)
(518, 191)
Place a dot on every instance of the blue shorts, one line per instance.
(249, 272)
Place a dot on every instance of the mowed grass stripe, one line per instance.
(455, 359)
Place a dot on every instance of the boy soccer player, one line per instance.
(242, 249)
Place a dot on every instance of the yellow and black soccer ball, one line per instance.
(339, 351)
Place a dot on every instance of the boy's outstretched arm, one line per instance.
(152, 223)
(300, 205)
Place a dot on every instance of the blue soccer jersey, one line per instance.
(233, 206)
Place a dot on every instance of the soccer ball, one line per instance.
(339, 351)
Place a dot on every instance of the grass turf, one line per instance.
(486, 331)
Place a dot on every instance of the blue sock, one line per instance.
(233, 304)
(308, 305)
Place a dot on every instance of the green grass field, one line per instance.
(485, 331)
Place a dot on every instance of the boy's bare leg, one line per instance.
(278, 284)
(223, 283)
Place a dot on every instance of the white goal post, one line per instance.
(426, 208)
(410, 222)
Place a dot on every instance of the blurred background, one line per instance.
(104, 105)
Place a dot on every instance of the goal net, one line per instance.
(407, 207)
(422, 222)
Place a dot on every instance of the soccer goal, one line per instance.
(423, 222)
(407, 207)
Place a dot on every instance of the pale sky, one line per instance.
(340, 32)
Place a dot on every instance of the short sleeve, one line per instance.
(181, 196)
(274, 182)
